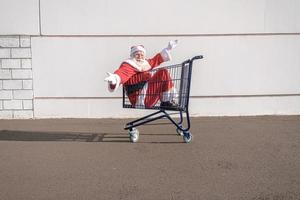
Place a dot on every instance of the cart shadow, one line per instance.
(16, 135)
(12, 135)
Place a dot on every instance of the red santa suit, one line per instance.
(143, 88)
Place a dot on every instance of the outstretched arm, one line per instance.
(166, 51)
(113, 81)
(164, 55)
(120, 76)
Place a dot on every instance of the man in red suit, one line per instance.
(143, 88)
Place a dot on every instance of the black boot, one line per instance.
(169, 105)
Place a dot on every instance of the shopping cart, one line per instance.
(179, 81)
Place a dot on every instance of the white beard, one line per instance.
(141, 66)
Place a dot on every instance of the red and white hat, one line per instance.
(134, 49)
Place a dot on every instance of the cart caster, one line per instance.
(187, 137)
(179, 132)
(134, 135)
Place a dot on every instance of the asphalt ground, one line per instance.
(247, 158)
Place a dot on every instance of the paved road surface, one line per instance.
(248, 158)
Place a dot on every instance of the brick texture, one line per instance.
(6, 94)
(23, 94)
(11, 63)
(26, 63)
(25, 41)
(5, 74)
(12, 84)
(12, 105)
(21, 53)
(9, 41)
(27, 104)
(16, 88)
(23, 114)
(22, 74)
(4, 114)
(4, 53)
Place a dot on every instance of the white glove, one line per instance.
(111, 79)
(172, 44)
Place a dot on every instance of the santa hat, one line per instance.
(137, 48)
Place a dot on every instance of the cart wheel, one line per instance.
(179, 132)
(134, 135)
(187, 137)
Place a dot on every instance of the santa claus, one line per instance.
(143, 88)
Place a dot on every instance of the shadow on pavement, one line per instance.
(14, 135)
(11, 135)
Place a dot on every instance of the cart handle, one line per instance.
(191, 60)
(197, 57)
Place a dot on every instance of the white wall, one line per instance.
(233, 65)
(106, 17)
(19, 17)
(250, 49)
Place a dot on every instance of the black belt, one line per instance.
(132, 88)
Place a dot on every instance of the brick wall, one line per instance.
(16, 87)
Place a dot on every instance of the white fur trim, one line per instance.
(141, 97)
(118, 81)
(165, 54)
(171, 95)
(145, 66)
(137, 48)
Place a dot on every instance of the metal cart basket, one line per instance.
(179, 80)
